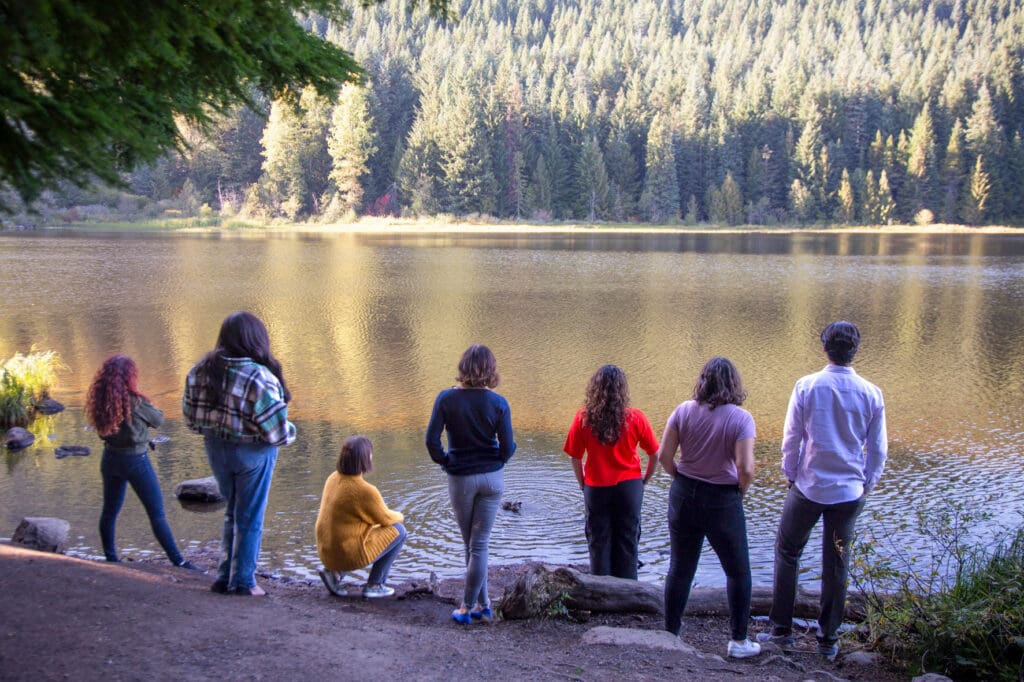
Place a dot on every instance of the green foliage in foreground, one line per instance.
(26, 380)
(961, 613)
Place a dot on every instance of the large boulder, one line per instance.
(18, 438)
(48, 406)
(42, 533)
(199, 490)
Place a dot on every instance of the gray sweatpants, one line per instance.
(475, 501)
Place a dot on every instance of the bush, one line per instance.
(26, 381)
(958, 611)
(13, 403)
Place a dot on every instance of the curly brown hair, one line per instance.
(606, 403)
(719, 384)
(478, 368)
(109, 401)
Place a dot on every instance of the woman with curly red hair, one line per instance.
(122, 416)
(602, 442)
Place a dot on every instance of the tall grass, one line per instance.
(26, 381)
(959, 611)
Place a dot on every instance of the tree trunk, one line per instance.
(549, 591)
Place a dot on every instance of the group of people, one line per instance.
(834, 448)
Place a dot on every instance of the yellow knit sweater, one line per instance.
(354, 525)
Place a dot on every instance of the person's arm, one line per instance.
(669, 445)
(375, 511)
(506, 442)
(793, 436)
(649, 444)
(877, 449)
(745, 463)
(270, 411)
(150, 414)
(434, 429)
(577, 469)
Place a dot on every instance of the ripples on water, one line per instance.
(370, 328)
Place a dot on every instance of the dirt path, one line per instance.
(68, 619)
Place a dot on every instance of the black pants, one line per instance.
(697, 510)
(613, 527)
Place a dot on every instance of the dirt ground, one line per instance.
(63, 618)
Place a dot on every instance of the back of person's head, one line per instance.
(243, 335)
(356, 456)
(108, 402)
(719, 383)
(606, 402)
(840, 341)
(478, 368)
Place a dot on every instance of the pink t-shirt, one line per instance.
(707, 440)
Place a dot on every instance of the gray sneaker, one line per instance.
(828, 649)
(782, 641)
(377, 591)
(332, 581)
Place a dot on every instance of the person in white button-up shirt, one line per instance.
(834, 447)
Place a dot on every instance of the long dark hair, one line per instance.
(719, 384)
(606, 403)
(109, 401)
(242, 335)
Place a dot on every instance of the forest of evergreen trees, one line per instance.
(728, 111)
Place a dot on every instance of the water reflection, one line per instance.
(370, 327)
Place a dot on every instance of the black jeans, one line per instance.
(697, 510)
(613, 527)
(799, 516)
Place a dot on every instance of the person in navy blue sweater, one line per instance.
(478, 424)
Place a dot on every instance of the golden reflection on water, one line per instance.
(369, 329)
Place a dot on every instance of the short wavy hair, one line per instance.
(840, 340)
(606, 403)
(719, 383)
(356, 456)
(478, 368)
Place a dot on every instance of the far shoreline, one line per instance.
(448, 226)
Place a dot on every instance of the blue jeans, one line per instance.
(613, 527)
(697, 510)
(243, 472)
(799, 516)
(475, 499)
(118, 471)
(382, 564)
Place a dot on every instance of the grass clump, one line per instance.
(25, 382)
(958, 611)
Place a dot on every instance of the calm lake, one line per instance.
(369, 328)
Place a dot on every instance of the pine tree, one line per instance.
(845, 201)
(975, 208)
(350, 145)
(660, 199)
(592, 182)
(922, 165)
(953, 175)
(623, 173)
(885, 206)
(985, 138)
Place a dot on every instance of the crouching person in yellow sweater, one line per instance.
(354, 527)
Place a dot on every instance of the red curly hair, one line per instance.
(109, 401)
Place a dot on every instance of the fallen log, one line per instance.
(544, 590)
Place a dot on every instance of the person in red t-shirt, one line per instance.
(603, 442)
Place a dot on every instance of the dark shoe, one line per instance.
(254, 591)
(828, 649)
(784, 642)
(189, 566)
(220, 586)
(461, 616)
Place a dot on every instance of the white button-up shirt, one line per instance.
(834, 442)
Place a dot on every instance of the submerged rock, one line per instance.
(72, 451)
(42, 533)
(199, 490)
(18, 438)
(48, 406)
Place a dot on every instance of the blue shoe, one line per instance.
(461, 616)
(482, 614)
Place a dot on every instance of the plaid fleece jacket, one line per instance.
(252, 408)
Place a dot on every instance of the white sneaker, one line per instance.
(375, 591)
(744, 649)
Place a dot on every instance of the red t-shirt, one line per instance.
(607, 465)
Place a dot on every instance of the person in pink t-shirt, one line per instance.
(715, 437)
(602, 442)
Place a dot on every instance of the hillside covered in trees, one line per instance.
(729, 111)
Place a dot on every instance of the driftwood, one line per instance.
(545, 590)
